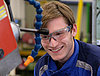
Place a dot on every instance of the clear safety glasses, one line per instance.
(57, 35)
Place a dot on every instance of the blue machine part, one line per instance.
(38, 25)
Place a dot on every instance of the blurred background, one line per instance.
(24, 15)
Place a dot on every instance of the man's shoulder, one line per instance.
(89, 52)
(44, 57)
(41, 64)
(43, 60)
(88, 47)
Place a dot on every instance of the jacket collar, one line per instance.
(70, 64)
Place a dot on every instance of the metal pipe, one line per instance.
(94, 3)
(79, 17)
(16, 30)
(41, 31)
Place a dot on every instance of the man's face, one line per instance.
(60, 50)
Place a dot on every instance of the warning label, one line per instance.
(3, 13)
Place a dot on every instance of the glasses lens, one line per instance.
(57, 35)
(45, 38)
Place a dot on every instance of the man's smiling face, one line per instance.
(60, 50)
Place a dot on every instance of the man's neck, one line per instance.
(59, 65)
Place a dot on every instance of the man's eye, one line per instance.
(58, 33)
(44, 37)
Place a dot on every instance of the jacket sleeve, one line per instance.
(98, 72)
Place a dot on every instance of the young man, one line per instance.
(65, 56)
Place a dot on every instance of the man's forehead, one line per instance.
(56, 24)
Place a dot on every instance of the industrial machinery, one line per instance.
(9, 33)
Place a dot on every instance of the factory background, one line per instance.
(24, 15)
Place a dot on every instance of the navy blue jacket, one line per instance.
(85, 61)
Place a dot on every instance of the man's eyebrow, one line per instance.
(59, 30)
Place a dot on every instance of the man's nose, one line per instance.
(53, 42)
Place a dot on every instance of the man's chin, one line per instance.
(57, 58)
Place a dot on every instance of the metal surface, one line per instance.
(40, 31)
(16, 30)
(94, 2)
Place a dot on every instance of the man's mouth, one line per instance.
(56, 50)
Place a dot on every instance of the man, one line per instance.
(65, 56)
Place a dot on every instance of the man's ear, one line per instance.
(74, 30)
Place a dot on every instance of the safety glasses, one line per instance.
(57, 35)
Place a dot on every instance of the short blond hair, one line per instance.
(55, 9)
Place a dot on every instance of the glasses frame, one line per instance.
(67, 28)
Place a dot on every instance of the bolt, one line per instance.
(1, 53)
